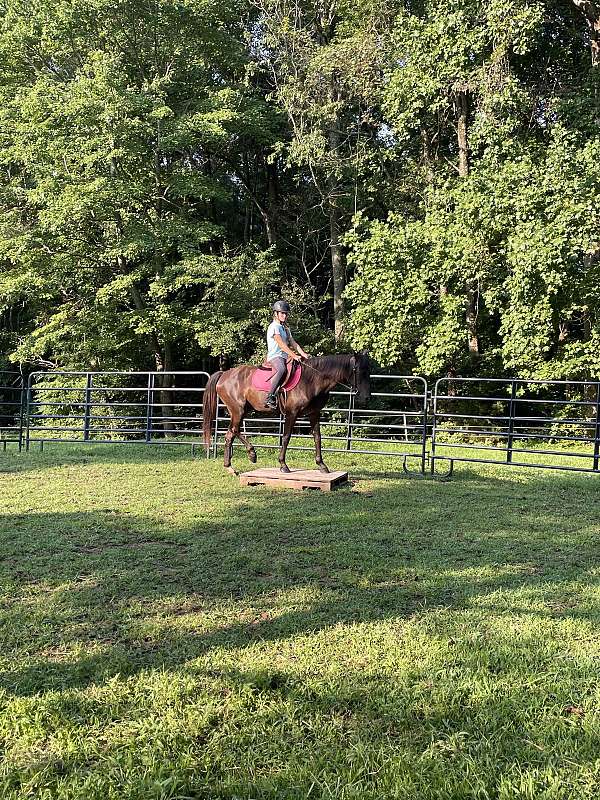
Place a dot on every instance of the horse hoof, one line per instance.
(323, 468)
(284, 468)
(252, 456)
(231, 470)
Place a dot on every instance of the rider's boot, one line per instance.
(271, 400)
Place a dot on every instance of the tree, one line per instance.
(591, 12)
(115, 125)
(324, 61)
(489, 106)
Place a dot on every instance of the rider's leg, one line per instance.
(279, 370)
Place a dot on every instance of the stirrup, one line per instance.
(271, 400)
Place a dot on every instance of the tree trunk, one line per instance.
(268, 210)
(462, 107)
(591, 11)
(163, 358)
(338, 270)
(337, 267)
(270, 216)
(269, 228)
(164, 363)
(429, 179)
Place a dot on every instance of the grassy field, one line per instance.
(168, 634)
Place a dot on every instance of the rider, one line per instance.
(280, 343)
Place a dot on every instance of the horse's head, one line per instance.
(362, 376)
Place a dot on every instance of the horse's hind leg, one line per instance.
(247, 444)
(290, 421)
(229, 437)
(232, 432)
(237, 415)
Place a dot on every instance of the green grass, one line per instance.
(168, 634)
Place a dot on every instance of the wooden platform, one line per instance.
(295, 479)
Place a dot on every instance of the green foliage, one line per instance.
(517, 229)
(167, 170)
(112, 225)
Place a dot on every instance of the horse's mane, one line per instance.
(336, 366)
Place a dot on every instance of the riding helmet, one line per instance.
(282, 305)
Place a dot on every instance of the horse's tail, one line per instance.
(209, 407)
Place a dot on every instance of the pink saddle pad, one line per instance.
(260, 379)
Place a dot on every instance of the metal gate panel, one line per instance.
(505, 420)
(112, 407)
(513, 421)
(11, 407)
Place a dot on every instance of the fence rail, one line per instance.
(511, 421)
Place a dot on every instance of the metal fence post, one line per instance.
(511, 422)
(433, 423)
(149, 407)
(86, 412)
(426, 399)
(22, 394)
(350, 421)
(28, 410)
(597, 428)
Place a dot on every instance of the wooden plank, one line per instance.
(295, 479)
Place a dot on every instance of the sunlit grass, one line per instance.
(169, 634)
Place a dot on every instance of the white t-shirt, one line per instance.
(274, 351)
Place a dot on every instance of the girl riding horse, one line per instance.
(279, 344)
(319, 377)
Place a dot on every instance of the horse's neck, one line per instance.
(345, 372)
(342, 375)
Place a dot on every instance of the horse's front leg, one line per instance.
(315, 426)
(290, 421)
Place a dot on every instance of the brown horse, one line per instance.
(319, 377)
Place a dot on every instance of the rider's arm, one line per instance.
(302, 352)
(280, 341)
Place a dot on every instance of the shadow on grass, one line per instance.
(93, 579)
(473, 567)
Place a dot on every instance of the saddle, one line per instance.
(262, 375)
(291, 366)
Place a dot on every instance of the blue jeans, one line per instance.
(279, 370)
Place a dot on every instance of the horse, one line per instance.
(319, 377)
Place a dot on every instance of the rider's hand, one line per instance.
(296, 357)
